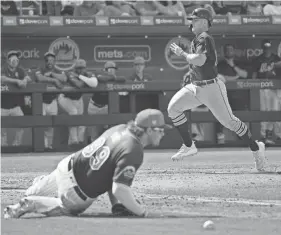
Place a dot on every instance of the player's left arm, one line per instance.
(112, 198)
(74, 81)
(199, 57)
(277, 64)
(26, 77)
(124, 174)
(196, 59)
(239, 71)
(89, 79)
(61, 76)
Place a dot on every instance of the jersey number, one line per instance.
(97, 152)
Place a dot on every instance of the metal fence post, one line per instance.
(37, 132)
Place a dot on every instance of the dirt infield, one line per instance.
(221, 185)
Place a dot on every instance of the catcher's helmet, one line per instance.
(201, 13)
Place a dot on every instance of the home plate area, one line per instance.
(220, 185)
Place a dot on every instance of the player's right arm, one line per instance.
(74, 80)
(42, 76)
(61, 76)
(22, 81)
(221, 73)
(125, 171)
(204, 48)
(104, 77)
(6, 79)
(124, 194)
(89, 79)
(256, 67)
(112, 198)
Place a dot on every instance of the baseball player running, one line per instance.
(204, 87)
(109, 164)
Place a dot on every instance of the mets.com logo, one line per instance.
(177, 62)
(66, 51)
(121, 53)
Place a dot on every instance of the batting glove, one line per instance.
(176, 49)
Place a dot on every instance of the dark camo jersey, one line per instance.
(117, 160)
(48, 97)
(264, 66)
(74, 74)
(9, 101)
(203, 44)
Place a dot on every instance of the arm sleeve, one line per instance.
(127, 166)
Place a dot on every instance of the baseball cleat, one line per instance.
(260, 158)
(185, 151)
(15, 211)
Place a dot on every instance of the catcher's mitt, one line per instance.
(120, 210)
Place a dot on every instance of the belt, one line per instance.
(76, 188)
(205, 82)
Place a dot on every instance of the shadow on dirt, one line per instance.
(171, 215)
(150, 216)
(243, 173)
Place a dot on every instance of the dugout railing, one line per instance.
(37, 122)
(34, 35)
